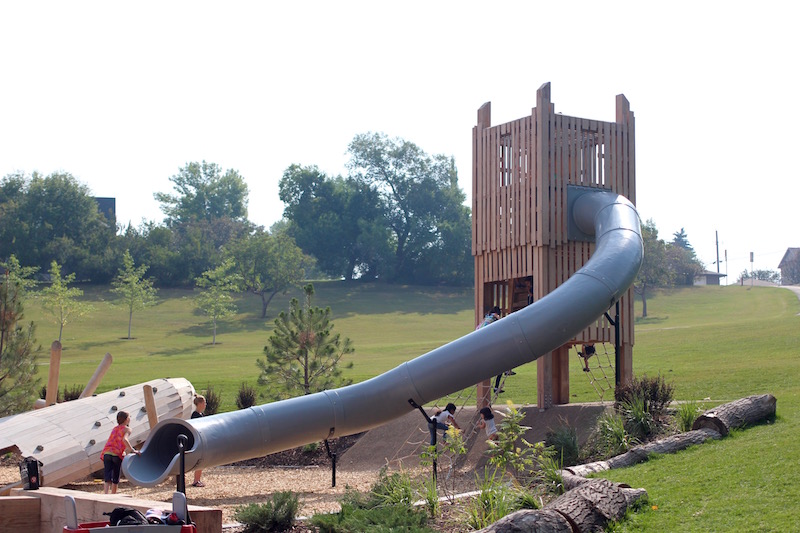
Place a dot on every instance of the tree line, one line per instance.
(398, 216)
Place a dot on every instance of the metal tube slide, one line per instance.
(512, 341)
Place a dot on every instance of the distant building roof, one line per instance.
(790, 256)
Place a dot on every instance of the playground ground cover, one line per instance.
(720, 343)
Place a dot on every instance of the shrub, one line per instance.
(376, 520)
(638, 421)
(277, 514)
(494, 501)
(71, 393)
(213, 400)
(311, 447)
(246, 397)
(687, 414)
(564, 442)
(656, 393)
(393, 489)
(612, 436)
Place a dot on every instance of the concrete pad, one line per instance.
(403, 439)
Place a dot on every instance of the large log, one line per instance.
(589, 507)
(638, 454)
(737, 414)
(531, 521)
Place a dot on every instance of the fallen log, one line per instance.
(639, 454)
(533, 521)
(737, 414)
(589, 507)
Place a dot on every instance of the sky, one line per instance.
(122, 95)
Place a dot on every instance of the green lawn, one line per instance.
(720, 343)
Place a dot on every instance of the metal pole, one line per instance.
(431, 425)
(332, 456)
(182, 440)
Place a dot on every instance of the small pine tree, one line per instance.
(303, 354)
(18, 383)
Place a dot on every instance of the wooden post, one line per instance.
(52, 381)
(150, 405)
(102, 368)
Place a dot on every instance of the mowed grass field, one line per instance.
(720, 343)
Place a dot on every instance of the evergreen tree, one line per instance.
(303, 354)
(18, 382)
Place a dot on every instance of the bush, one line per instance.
(638, 421)
(687, 414)
(213, 400)
(376, 520)
(246, 397)
(655, 392)
(612, 437)
(72, 393)
(276, 514)
(311, 447)
(564, 442)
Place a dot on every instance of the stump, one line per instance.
(737, 414)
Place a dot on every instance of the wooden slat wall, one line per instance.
(521, 170)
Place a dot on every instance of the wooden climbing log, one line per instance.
(737, 414)
(638, 454)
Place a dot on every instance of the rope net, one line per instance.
(598, 365)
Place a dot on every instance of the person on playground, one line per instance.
(114, 451)
(588, 351)
(487, 422)
(490, 318)
(199, 407)
(442, 420)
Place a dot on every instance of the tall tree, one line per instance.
(416, 191)
(133, 290)
(215, 298)
(55, 218)
(204, 193)
(303, 355)
(62, 301)
(18, 381)
(679, 238)
(654, 271)
(268, 264)
(330, 218)
(682, 264)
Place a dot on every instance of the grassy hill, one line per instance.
(720, 343)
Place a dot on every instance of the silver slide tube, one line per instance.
(514, 340)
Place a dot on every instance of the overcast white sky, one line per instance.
(122, 95)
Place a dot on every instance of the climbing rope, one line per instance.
(598, 365)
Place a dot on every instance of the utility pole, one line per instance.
(716, 234)
(752, 271)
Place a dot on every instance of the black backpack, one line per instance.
(121, 516)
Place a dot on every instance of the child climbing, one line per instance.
(588, 351)
(487, 422)
(442, 420)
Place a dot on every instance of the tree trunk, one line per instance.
(639, 454)
(588, 507)
(737, 414)
(539, 521)
(130, 320)
(214, 337)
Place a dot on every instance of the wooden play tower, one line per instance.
(520, 173)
